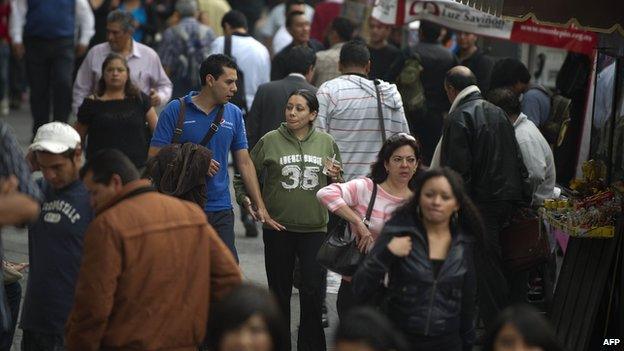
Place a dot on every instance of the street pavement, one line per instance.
(250, 250)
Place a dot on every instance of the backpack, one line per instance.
(555, 128)
(239, 99)
(410, 86)
(190, 60)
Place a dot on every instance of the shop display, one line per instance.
(590, 211)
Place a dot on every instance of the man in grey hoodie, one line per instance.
(349, 111)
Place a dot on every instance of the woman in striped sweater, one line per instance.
(394, 172)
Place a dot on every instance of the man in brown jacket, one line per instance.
(150, 269)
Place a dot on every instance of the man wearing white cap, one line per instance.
(55, 239)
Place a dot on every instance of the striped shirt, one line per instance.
(348, 111)
(356, 194)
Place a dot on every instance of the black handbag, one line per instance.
(339, 252)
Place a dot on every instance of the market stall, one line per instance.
(587, 221)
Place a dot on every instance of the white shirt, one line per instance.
(85, 21)
(146, 72)
(252, 58)
(281, 39)
(277, 18)
(538, 159)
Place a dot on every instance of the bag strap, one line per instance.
(227, 46)
(177, 132)
(214, 126)
(382, 127)
(371, 204)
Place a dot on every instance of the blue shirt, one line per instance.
(55, 253)
(536, 105)
(230, 136)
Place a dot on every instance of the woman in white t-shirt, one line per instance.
(394, 172)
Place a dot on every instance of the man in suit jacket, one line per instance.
(267, 110)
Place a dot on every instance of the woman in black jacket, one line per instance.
(427, 250)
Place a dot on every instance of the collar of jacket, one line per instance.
(467, 92)
(133, 188)
(413, 227)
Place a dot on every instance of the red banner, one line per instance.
(569, 39)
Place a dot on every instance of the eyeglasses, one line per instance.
(399, 136)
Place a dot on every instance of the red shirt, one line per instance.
(324, 14)
(5, 11)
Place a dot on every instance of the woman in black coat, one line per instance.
(427, 251)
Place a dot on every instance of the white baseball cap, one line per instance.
(56, 138)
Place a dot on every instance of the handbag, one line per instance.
(339, 252)
(524, 244)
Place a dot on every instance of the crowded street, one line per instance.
(311, 175)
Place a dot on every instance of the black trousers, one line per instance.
(493, 287)
(49, 67)
(280, 249)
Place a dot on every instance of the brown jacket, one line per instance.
(150, 268)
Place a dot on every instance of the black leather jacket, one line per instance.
(480, 144)
(418, 302)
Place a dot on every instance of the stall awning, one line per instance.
(606, 16)
(461, 17)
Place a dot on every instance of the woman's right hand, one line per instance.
(400, 246)
(363, 237)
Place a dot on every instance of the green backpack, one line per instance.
(556, 127)
(410, 85)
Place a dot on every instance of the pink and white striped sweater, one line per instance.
(356, 194)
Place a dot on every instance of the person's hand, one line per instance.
(400, 246)
(334, 171)
(17, 266)
(363, 237)
(18, 50)
(8, 185)
(214, 168)
(81, 50)
(262, 215)
(154, 98)
(32, 161)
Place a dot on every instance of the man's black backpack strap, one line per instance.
(214, 126)
(227, 46)
(382, 126)
(177, 132)
(179, 129)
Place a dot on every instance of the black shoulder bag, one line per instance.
(339, 252)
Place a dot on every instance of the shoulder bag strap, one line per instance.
(371, 204)
(214, 126)
(382, 127)
(177, 133)
(227, 45)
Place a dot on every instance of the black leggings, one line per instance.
(280, 249)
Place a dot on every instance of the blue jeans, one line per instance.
(13, 293)
(223, 224)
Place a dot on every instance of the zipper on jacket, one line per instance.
(435, 283)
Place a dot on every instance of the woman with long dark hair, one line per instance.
(289, 162)
(426, 251)
(398, 163)
(116, 115)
